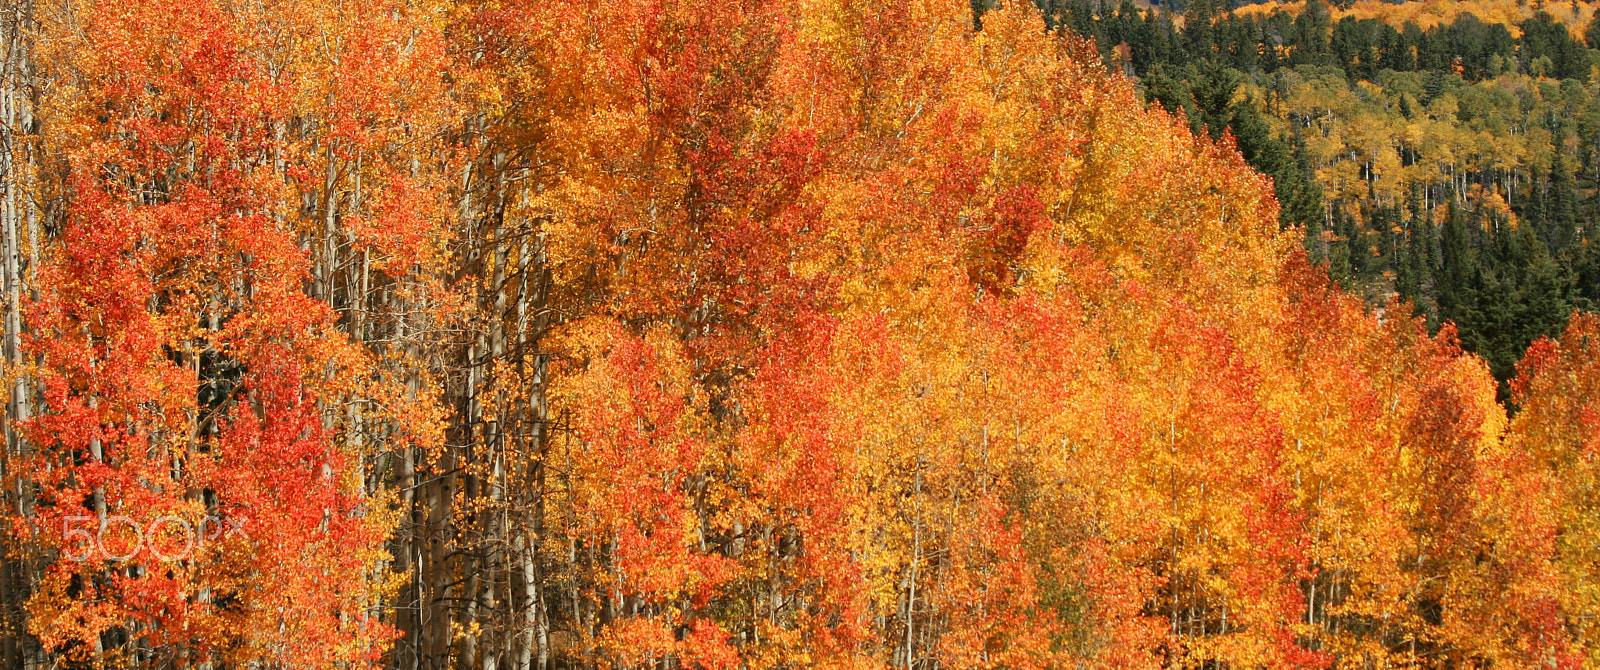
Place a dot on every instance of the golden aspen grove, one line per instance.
(745, 334)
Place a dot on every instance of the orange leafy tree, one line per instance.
(203, 410)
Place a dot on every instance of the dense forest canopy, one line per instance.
(796, 333)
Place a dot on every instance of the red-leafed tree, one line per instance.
(206, 407)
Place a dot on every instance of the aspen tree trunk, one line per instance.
(480, 648)
(916, 558)
(411, 538)
(434, 635)
(17, 211)
(330, 245)
(408, 560)
(532, 637)
(532, 321)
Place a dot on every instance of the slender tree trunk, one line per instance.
(18, 211)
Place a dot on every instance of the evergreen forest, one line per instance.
(1441, 152)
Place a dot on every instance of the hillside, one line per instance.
(1425, 151)
(767, 334)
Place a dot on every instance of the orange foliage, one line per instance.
(869, 341)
